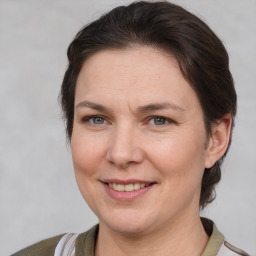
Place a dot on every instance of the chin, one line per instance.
(128, 224)
(129, 229)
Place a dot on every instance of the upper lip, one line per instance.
(125, 182)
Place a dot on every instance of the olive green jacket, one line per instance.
(84, 245)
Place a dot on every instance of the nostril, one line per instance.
(124, 157)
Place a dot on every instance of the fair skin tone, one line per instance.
(138, 127)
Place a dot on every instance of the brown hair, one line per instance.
(201, 56)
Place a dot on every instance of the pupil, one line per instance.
(98, 120)
(159, 120)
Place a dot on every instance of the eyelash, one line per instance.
(151, 118)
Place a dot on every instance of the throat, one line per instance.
(166, 242)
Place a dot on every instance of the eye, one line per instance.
(94, 120)
(97, 120)
(159, 120)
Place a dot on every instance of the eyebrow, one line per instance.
(93, 105)
(140, 109)
(159, 106)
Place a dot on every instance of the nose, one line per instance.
(124, 149)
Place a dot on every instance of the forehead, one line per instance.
(139, 73)
(147, 60)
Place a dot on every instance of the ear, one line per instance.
(219, 140)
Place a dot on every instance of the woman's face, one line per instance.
(139, 144)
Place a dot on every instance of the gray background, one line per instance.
(38, 193)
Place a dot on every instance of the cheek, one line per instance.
(87, 157)
(180, 155)
(87, 153)
(181, 165)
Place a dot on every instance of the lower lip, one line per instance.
(126, 196)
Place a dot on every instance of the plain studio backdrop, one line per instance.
(39, 197)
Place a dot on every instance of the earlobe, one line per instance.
(219, 140)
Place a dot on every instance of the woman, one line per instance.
(149, 104)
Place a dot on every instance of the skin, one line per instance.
(128, 142)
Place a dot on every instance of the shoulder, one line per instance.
(43, 248)
(64, 243)
(85, 242)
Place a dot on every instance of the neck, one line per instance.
(187, 238)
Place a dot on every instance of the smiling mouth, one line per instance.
(128, 187)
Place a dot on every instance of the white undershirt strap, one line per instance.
(66, 245)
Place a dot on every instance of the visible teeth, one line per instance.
(136, 186)
(128, 187)
(120, 187)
